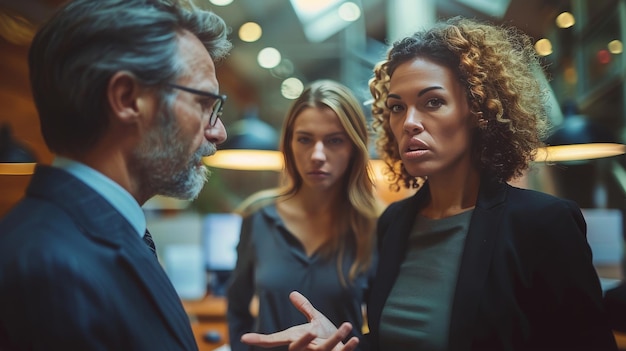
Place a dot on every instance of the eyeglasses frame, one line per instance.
(216, 113)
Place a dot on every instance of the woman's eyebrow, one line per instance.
(421, 93)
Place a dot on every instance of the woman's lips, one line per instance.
(318, 174)
(415, 149)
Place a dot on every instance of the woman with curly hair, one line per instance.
(469, 262)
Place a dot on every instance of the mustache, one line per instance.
(204, 150)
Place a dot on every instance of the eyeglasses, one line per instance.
(216, 105)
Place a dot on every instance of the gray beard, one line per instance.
(162, 165)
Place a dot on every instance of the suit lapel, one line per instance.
(103, 224)
(475, 262)
(147, 269)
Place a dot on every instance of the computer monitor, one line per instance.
(220, 236)
(605, 235)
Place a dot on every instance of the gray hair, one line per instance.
(74, 55)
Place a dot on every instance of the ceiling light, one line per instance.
(578, 138)
(543, 47)
(160, 202)
(221, 2)
(250, 32)
(565, 20)
(251, 145)
(578, 152)
(268, 57)
(246, 160)
(615, 47)
(291, 88)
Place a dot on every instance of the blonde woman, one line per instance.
(316, 233)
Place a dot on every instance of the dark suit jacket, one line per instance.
(74, 275)
(526, 280)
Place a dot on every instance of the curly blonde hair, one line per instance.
(497, 66)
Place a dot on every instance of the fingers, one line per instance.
(340, 335)
(302, 343)
(301, 338)
(351, 344)
(270, 340)
(337, 337)
(302, 304)
(307, 341)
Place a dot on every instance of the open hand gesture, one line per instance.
(318, 335)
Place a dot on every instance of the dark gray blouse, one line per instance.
(417, 312)
(272, 263)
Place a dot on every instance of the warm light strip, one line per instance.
(160, 202)
(577, 152)
(273, 160)
(17, 168)
(253, 160)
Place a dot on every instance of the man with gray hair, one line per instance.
(129, 102)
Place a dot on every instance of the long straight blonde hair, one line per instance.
(359, 200)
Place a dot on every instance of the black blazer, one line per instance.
(74, 275)
(615, 304)
(526, 280)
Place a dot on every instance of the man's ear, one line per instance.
(124, 95)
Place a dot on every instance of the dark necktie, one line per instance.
(147, 238)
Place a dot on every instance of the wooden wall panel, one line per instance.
(18, 110)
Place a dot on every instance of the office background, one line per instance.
(581, 43)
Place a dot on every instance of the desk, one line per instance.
(208, 314)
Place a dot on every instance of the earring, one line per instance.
(482, 123)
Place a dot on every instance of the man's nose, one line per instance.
(216, 134)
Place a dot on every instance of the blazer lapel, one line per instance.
(475, 262)
(102, 223)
